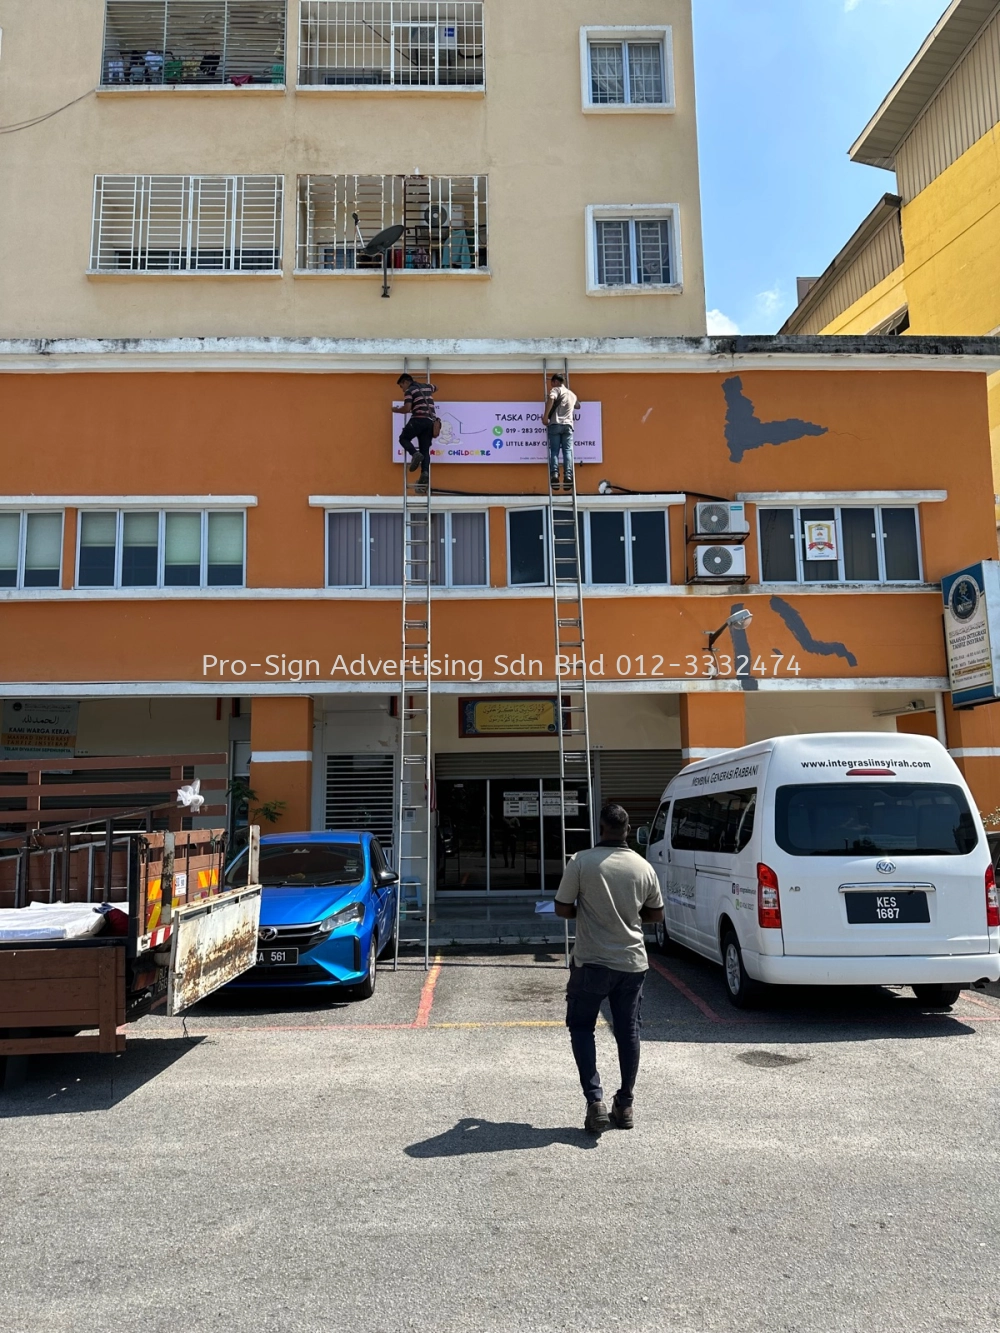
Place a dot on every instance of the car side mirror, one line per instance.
(388, 877)
(642, 835)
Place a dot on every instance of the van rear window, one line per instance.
(874, 819)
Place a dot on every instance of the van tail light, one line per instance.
(768, 901)
(992, 901)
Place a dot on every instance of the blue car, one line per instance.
(328, 910)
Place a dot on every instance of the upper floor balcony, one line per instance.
(194, 43)
(401, 44)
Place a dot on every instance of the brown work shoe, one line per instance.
(621, 1116)
(597, 1120)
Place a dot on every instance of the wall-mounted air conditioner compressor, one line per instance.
(720, 562)
(719, 518)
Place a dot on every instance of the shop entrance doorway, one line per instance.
(502, 835)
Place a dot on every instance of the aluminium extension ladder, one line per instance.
(576, 788)
(415, 834)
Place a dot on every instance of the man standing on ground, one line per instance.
(418, 402)
(558, 420)
(610, 891)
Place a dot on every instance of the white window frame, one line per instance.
(366, 540)
(635, 212)
(630, 581)
(161, 551)
(22, 542)
(662, 33)
(841, 581)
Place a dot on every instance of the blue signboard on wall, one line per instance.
(972, 633)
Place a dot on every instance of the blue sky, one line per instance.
(784, 89)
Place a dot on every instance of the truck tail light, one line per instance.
(992, 901)
(768, 901)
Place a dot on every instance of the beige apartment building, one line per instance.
(192, 168)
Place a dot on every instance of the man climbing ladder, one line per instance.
(558, 420)
(418, 403)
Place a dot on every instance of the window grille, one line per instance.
(391, 43)
(30, 550)
(445, 221)
(160, 549)
(187, 224)
(634, 252)
(190, 42)
(627, 74)
(360, 795)
(832, 544)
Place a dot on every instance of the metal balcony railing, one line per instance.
(196, 224)
(391, 44)
(445, 221)
(190, 42)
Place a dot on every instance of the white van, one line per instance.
(839, 859)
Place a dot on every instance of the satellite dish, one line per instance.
(384, 241)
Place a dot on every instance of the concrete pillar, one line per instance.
(711, 722)
(974, 744)
(281, 744)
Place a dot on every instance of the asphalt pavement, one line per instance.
(417, 1161)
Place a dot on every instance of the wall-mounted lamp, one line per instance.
(738, 620)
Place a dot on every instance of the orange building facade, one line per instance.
(218, 566)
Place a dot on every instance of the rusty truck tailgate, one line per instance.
(212, 942)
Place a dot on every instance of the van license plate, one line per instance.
(878, 909)
(277, 957)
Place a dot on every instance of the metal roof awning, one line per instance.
(921, 81)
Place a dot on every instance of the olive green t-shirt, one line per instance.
(610, 885)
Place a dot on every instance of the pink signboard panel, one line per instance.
(503, 433)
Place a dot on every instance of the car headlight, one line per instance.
(346, 916)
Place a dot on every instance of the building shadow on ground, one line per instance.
(483, 1136)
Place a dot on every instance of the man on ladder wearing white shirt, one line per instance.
(560, 405)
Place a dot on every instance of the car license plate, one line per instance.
(277, 957)
(901, 907)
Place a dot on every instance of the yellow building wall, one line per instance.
(874, 307)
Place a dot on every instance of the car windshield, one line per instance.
(310, 864)
(874, 819)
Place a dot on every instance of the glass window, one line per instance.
(819, 535)
(694, 827)
(633, 252)
(182, 551)
(225, 550)
(874, 819)
(526, 538)
(385, 550)
(777, 546)
(346, 550)
(468, 550)
(98, 538)
(140, 550)
(10, 549)
(737, 819)
(614, 253)
(649, 547)
(645, 73)
(43, 550)
(860, 545)
(899, 533)
(627, 73)
(658, 829)
(308, 864)
(652, 249)
(607, 547)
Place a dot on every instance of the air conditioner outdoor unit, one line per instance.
(719, 518)
(720, 562)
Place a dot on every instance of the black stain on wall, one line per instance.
(741, 647)
(803, 637)
(746, 431)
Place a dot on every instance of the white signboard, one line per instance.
(971, 602)
(504, 433)
(525, 803)
(33, 730)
